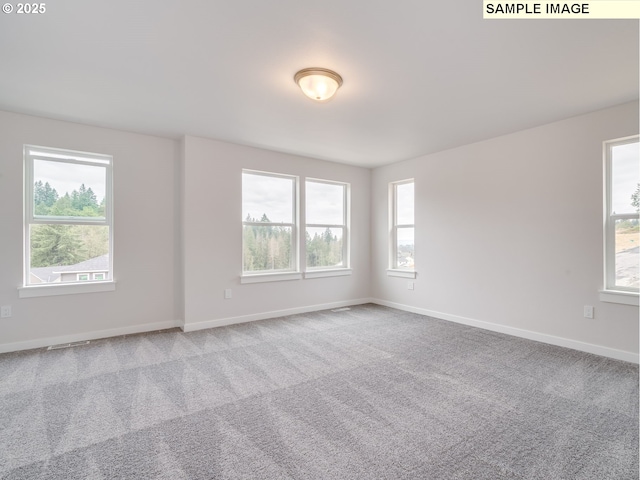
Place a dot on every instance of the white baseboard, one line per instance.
(81, 337)
(518, 332)
(191, 327)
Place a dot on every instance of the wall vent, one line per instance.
(68, 345)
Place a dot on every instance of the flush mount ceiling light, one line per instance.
(319, 84)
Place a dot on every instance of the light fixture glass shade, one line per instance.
(318, 84)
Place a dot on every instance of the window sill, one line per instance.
(270, 277)
(392, 272)
(65, 289)
(616, 296)
(334, 272)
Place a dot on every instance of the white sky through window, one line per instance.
(67, 177)
(625, 176)
(405, 236)
(404, 204)
(325, 203)
(267, 195)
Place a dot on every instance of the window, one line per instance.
(271, 243)
(402, 226)
(326, 209)
(622, 203)
(269, 212)
(68, 216)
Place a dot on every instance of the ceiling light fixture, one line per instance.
(319, 84)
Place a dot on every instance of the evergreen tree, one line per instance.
(324, 249)
(64, 206)
(54, 245)
(38, 193)
(50, 195)
(44, 197)
(266, 247)
(95, 240)
(39, 203)
(75, 200)
(312, 255)
(91, 199)
(327, 237)
(250, 246)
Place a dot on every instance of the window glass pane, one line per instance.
(625, 178)
(65, 253)
(324, 203)
(404, 247)
(324, 247)
(68, 189)
(266, 248)
(404, 204)
(627, 241)
(267, 199)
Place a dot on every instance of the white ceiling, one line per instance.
(419, 76)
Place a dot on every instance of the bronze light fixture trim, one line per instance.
(319, 84)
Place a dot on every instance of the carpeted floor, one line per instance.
(368, 393)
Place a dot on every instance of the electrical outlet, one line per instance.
(5, 311)
(410, 285)
(227, 293)
(588, 311)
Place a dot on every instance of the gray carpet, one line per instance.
(369, 393)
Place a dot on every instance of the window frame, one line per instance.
(394, 270)
(31, 153)
(292, 273)
(612, 292)
(345, 227)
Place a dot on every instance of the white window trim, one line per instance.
(276, 275)
(310, 272)
(323, 273)
(31, 153)
(67, 288)
(270, 277)
(611, 292)
(394, 272)
(623, 298)
(393, 269)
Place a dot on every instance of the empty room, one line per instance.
(350, 240)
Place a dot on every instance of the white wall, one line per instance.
(212, 212)
(145, 260)
(509, 231)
